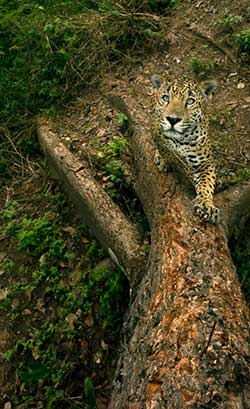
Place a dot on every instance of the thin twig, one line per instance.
(48, 42)
(211, 40)
(229, 158)
(126, 14)
(18, 153)
(6, 134)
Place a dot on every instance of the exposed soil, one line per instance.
(195, 31)
(90, 123)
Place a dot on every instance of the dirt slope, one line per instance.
(196, 31)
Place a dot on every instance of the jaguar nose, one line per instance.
(173, 120)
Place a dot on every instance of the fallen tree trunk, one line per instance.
(187, 332)
(186, 335)
(106, 221)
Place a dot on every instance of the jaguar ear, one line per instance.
(208, 87)
(156, 81)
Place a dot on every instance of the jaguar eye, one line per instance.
(165, 98)
(190, 101)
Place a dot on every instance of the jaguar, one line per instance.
(180, 125)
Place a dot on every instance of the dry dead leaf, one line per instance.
(3, 339)
(101, 133)
(71, 319)
(89, 320)
(241, 85)
(84, 240)
(3, 293)
(69, 229)
(26, 312)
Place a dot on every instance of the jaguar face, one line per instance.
(179, 105)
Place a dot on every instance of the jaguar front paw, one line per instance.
(210, 214)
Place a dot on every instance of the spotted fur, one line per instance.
(181, 127)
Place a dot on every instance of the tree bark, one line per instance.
(187, 332)
(106, 221)
(186, 335)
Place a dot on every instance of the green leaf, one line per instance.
(34, 373)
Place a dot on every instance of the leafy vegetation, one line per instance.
(201, 67)
(122, 121)
(56, 294)
(111, 163)
(243, 40)
(89, 393)
(50, 51)
(230, 21)
(237, 26)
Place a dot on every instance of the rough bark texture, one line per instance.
(235, 206)
(187, 331)
(186, 334)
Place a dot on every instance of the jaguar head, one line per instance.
(180, 103)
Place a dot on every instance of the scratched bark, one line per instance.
(186, 334)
